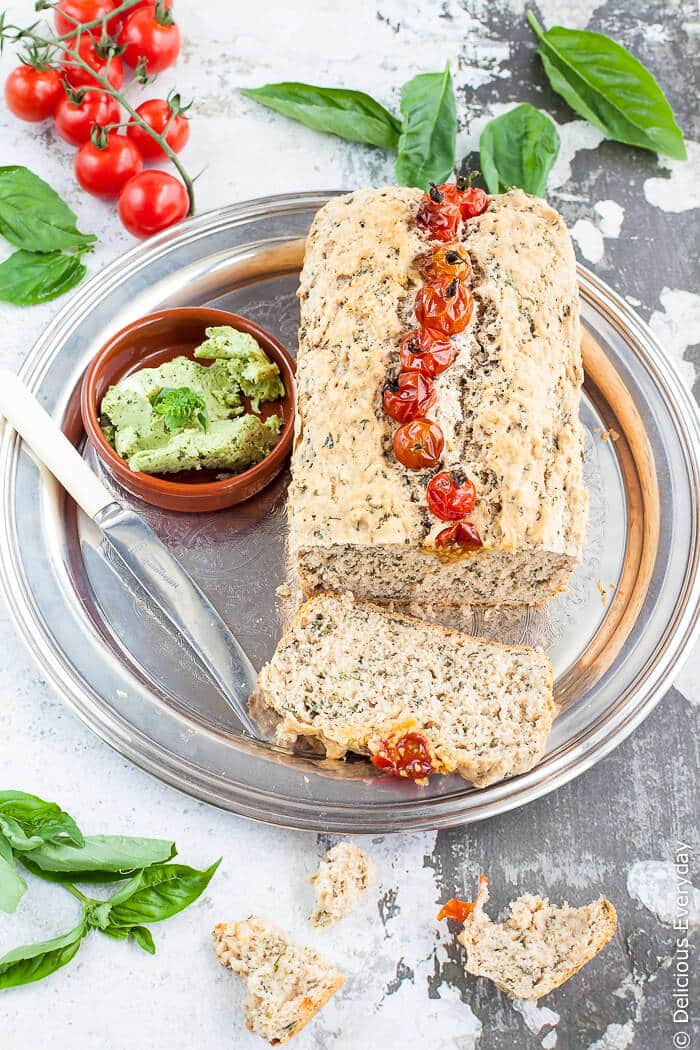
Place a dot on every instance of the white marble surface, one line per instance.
(114, 995)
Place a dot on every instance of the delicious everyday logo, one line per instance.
(681, 960)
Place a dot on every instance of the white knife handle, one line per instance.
(50, 445)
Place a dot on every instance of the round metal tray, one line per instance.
(134, 684)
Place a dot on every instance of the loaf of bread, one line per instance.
(508, 407)
(539, 946)
(355, 676)
(286, 985)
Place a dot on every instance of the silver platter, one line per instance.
(616, 639)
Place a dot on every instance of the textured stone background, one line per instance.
(615, 830)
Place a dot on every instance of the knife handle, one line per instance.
(50, 445)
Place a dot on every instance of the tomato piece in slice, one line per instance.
(406, 756)
(426, 351)
(450, 495)
(412, 395)
(462, 534)
(456, 909)
(419, 444)
(444, 305)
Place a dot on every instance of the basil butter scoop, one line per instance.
(185, 415)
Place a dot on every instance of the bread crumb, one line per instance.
(286, 985)
(342, 877)
(603, 592)
(610, 434)
(284, 591)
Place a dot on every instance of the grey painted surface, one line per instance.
(407, 985)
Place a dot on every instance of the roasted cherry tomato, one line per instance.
(427, 352)
(438, 217)
(412, 395)
(448, 261)
(151, 34)
(152, 201)
(106, 162)
(101, 59)
(407, 756)
(158, 115)
(76, 113)
(450, 495)
(470, 200)
(418, 444)
(33, 93)
(445, 305)
(461, 534)
(456, 909)
(68, 12)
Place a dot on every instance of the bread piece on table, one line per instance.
(342, 877)
(285, 985)
(539, 946)
(353, 675)
(508, 407)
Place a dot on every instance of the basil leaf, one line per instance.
(179, 405)
(34, 961)
(12, 885)
(39, 818)
(429, 130)
(141, 935)
(158, 892)
(33, 216)
(604, 83)
(518, 149)
(101, 858)
(28, 278)
(350, 114)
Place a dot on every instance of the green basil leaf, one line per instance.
(350, 114)
(33, 216)
(36, 817)
(158, 892)
(141, 935)
(34, 961)
(12, 885)
(100, 858)
(29, 278)
(518, 149)
(608, 86)
(429, 130)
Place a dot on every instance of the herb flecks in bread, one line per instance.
(507, 407)
(286, 985)
(538, 947)
(350, 674)
(341, 880)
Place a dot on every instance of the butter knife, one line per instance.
(138, 550)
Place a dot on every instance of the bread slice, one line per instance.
(508, 407)
(285, 985)
(354, 676)
(539, 946)
(342, 877)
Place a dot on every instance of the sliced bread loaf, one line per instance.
(360, 678)
(285, 985)
(539, 946)
(341, 879)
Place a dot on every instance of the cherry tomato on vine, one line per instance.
(418, 444)
(445, 305)
(68, 12)
(74, 116)
(150, 5)
(448, 261)
(151, 35)
(157, 113)
(104, 64)
(152, 201)
(450, 495)
(461, 534)
(33, 93)
(407, 756)
(413, 394)
(428, 352)
(106, 162)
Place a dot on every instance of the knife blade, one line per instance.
(138, 550)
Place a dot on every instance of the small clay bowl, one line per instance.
(148, 343)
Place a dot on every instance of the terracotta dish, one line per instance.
(148, 343)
